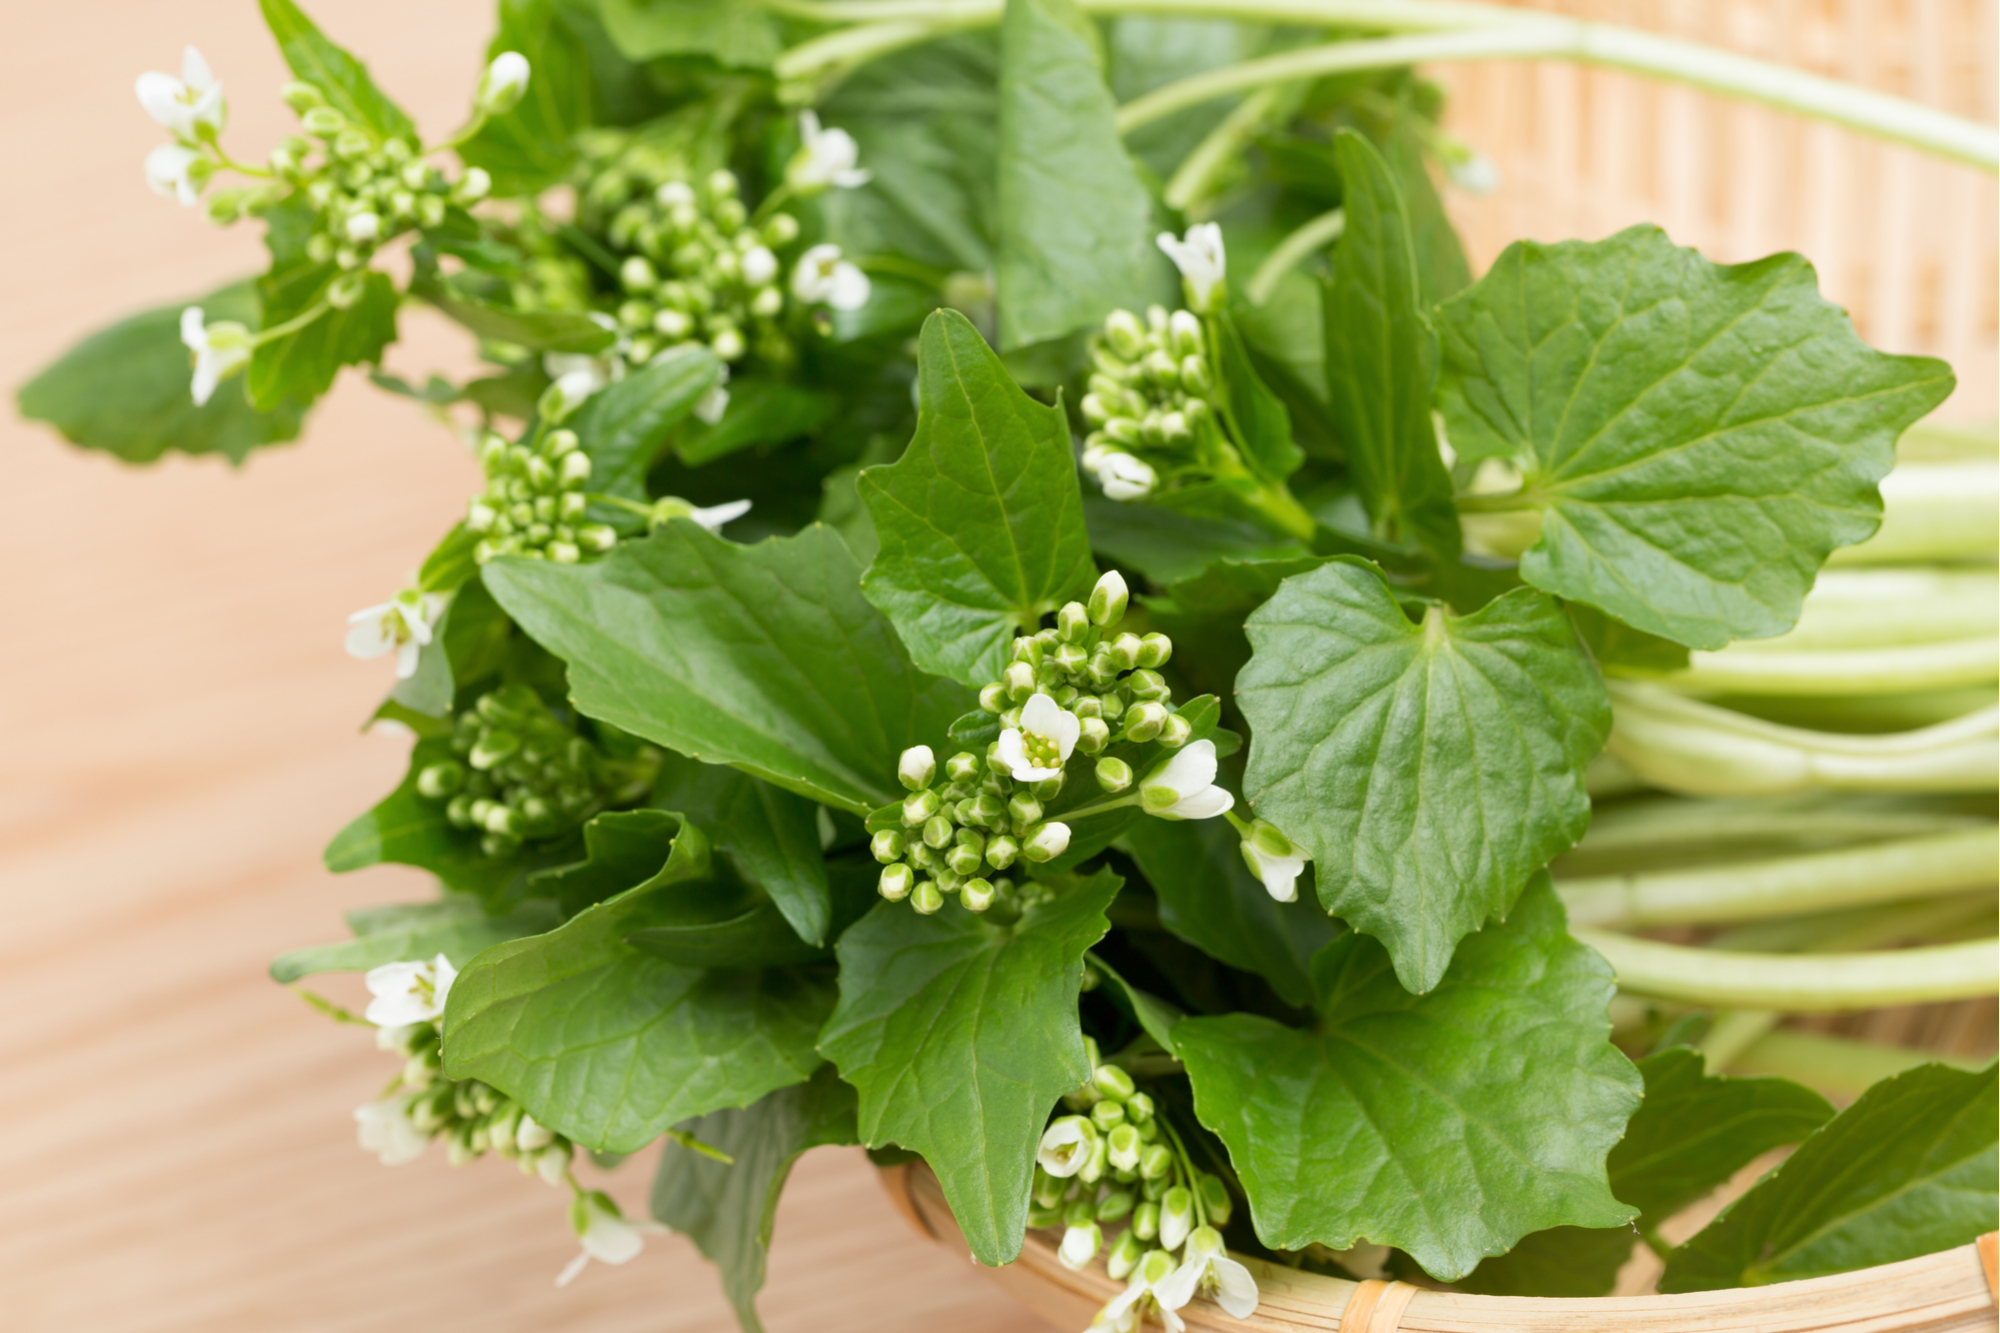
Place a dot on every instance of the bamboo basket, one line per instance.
(1949, 1292)
(1909, 244)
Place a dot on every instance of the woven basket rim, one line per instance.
(1947, 1292)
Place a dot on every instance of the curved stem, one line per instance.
(848, 47)
(1546, 38)
(1749, 891)
(292, 325)
(1814, 983)
(1834, 1065)
(1733, 1032)
(1317, 234)
(1842, 671)
(1191, 180)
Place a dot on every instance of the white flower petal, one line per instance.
(370, 639)
(1011, 752)
(849, 288)
(1039, 715)
(1204, 804)
(1177, 1288)
(1192, 769)
(714, 516)
(1068, 727)
(161, 94)
(195, 72)
(1236, 1290)
(572, 1268)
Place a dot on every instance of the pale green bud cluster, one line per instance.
(1109, 1163)
(962, 825)
(525, 775)
(1150, 405)
(694, 267)
(365, 190)
(534, 502)
(472, 1117)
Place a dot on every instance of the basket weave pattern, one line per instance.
(1909, 244)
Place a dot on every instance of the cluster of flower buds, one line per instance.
(1112, 1164)
(695, 268)
(365, 190)
(1077, 687)
(534, 502)
(422, 1105)
(1150, 407)
(526, 774)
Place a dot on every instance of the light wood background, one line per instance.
(178, 738)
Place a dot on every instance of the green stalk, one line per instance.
(1317, 234)
(1837, 1066)
(1701, 750)
(1836, 671)
(1191, 179)
(1780, 886)
(1549, 38)
(1792, 983)
(1875, 608)
(1498, 32)
(1733, 1032)
(1936, 921)
(1933, 511)
(1644, 832)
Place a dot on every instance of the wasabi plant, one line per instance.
(1077, 643)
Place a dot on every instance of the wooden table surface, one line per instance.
(180, 731)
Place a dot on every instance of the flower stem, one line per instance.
(1190, 183)
(1750, 891)
(1548, 38)
(1842, 671)
(1814, 983)
(1834, 1065)
(292, 325)
(1320, 232)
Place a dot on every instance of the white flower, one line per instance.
(501, 86)
(364, 226)
(1148, 1279)
(1079, 1245)
(916, 767)
(412, 992)
(1185, 788)
(760, 266)
(175, 172)
(823, 277)
(825, 157)
(403, 623)
(1474, 173)
(1123, 476)
(185, 104)
(1065, 1146)
(1210, 1270)
(712, 517)
(1200, 258)
(385, 1129)
(1274, 859)
(1037, 749)
(220, 350)
(605, 1233)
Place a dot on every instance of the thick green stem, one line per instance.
(1842, 671)
(1877, 608)
(1317, 234)
(1549, 38)
(1839, 1067)
(1733, 1032)
(1642, 833)
(1851, 930)
(1792, 983)
(1933, 511)
(1751, 891)
(1190, 183)
(1701, 750)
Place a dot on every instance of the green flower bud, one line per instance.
(496, 745)
(1023, 809)
(1071, 622)
(1184, 333)
(1145, 721)
(1126, 1146)
(919, 806)
(1125, 1254)
(1093, 735)
(887, 845)
(1001, 851)
(1176, 733)
(459, 810)
(1019, 679)
(977, 894)
(1146, 1220)
(988, 809)
(1113, 775)
(1156, 1161)
(993, 698)
(323, 122)
(1176, 1217)
(1042, 1216)
(937, 832)
(1154, 650)
(441, 779)
(1093, 1166)
(1046, 842)
(502, 85)
(927, 897)
(1117, 1205)
(1108, 1115)
(962, 767)
(1126, 334)
(301, 97)
(1124, 652)
(1113, 1082)
(1215, 1198)
(1139, 1108)
(1144, 684)
(1048, 1191)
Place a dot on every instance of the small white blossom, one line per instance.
(410, 992)
(220, 350)
(1049, 841)
(385, 1129)
(1037, 749)
(824, 278)
(1185, 788)
(363, 226)
(1079, 1245)
(402, 624)
(916, 767)
(760, 266)
(1124, 476)
(1210, 1271)
(1065, 1146)
(1148, 1280)
(503, 83)
(1275, 859)
(1200, 258)
(174, 172)
(826, 157)
(186, 104)
(606, 1234)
